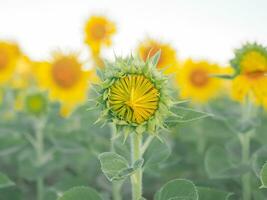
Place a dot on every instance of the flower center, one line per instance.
(66, 72)
(98, 31)
(134, 98)
(3, 59)
(199, 78)
(255, 75)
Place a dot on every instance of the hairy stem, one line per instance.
(136, 178)
(39, 158)
(245, 145)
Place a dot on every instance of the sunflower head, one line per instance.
(65, 80)
(251, 59)
(98, 31)
(9, 54)
(168, 59)
(36, 104)
(250, 63)
(196, 82)
(133, 95)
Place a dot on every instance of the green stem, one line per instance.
(40, 188)
(116, 189)
(39, 158)
(116, 186)
(136, 178)
(245, 145)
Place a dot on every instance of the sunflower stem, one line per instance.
(245, 149)
(116, 186)
(245, 145)
(39, 158)
(136, 178)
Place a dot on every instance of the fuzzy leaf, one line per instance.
(80, 193)
(112, 165)
(178, 189)
(211, 194)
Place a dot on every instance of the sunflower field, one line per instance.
(144, 126)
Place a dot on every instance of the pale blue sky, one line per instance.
(200, 29)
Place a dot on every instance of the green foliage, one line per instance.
(5, 181)
(218, 165)
(211, 194)
(178, 189)
(263, 176)
(115, 167)
(80, 193)
(162, 150)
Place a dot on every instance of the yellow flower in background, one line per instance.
(98, 32)
(250, 63)
(65, 79)
(9, 55)
(24, 73)
(195, 81)
(168, 58)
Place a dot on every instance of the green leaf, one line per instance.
(178, 189)
(162, 150)
(218, 164)
(258, 160)
(80, 193)
(112, 165)
(184, 114)
(5, 181)
(263, 176)
(211, 194)
(138, 164)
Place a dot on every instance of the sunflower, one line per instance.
(250, 64)
(98, 32)
(168, 58)
(65, 79)
(24, 73)
(36, 104)
(9, 55)
(133, 95)
(195, 81)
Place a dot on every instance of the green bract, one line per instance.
(120, 69)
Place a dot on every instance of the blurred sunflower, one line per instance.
(24, 73)
(195, 81)
(36, 104)
(9, 55)
(168, 59)
(250, 64)
(98, 32)
(65, 79)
